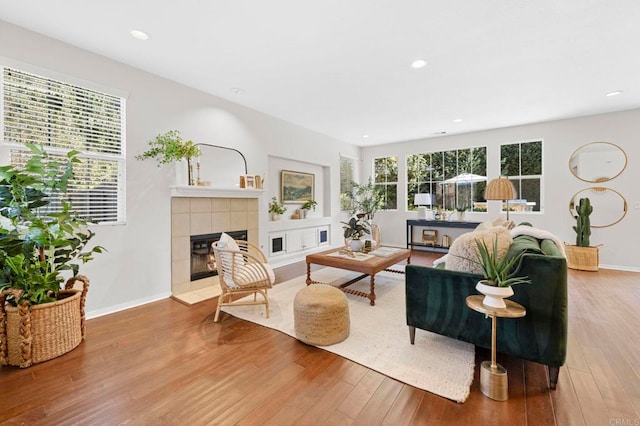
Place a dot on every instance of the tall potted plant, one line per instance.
(38, 319)
(583, 256)
(168, 148)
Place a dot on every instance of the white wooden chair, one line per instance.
(243, 270)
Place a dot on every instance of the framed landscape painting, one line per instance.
(296, 187)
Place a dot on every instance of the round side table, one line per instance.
(493, 377)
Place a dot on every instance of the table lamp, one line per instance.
(422, 200)
(501, 189)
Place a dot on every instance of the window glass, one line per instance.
(386, 181)
(455, 179)
(522, 164)
(346, 182)
(63, 117)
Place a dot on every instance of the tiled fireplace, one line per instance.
(205, 215)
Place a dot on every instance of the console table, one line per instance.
(434, 224)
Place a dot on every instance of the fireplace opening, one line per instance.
(203, 263)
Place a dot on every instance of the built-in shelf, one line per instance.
(212, 192)
(286, 224)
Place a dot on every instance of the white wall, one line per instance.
(136, 267)
(561, 139)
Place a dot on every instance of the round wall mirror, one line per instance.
(609, 206)
(597, 162)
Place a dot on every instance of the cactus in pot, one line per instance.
(583, 223)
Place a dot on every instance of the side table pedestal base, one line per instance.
(493, 381)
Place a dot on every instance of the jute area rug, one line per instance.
(379, 336)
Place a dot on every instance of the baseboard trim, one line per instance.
(128, 305)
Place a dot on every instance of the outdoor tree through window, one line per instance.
(386, 181)
(455, 179)
(63, 117)
(522, 164)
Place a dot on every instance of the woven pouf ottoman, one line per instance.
(321, 315)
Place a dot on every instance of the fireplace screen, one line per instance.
(203, 262)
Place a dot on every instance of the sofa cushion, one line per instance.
(464, 248)
(550, 248)
(524, 244)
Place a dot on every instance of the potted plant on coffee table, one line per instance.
(497, 283)
(38, 245)
(356, 228)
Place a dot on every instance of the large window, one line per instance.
(62, 117)
(347, 172)
(455, 179)
(386, 181)
(522, 164)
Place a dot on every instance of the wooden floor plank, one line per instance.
(167, 363)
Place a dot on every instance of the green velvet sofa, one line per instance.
(435, 301)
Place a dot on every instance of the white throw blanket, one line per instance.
(540, 234)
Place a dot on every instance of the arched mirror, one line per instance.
(597, 162)
(609, 206)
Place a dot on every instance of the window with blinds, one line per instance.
(62, 117)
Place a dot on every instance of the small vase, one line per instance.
(275, 217)
(461, 216)
(493, 296)
(356, 244)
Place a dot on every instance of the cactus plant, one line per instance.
(583, 225)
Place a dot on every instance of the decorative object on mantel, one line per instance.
(276, 209)
(582, 256)
(38, 319)
(250, 182)
(170, 147)
(308, 205)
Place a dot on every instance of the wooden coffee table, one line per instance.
(369, 267)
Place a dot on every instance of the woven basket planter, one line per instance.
(30, 334)
(582, 258)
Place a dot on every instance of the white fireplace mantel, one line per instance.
(211, 192)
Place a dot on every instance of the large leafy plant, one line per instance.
(356, 228)
(37, 243)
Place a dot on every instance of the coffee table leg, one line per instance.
(372, 291)
(308, 273)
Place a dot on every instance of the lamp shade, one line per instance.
(500, 188)
(422, 200)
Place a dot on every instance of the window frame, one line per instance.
(386, 183)
(119, 160)
(516, 180)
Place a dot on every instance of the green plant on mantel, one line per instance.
(170, 147)
(37, 243)
(275, 206)
(309, 205)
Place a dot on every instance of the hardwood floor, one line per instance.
(166, 363)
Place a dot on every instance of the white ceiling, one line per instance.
(342, 67)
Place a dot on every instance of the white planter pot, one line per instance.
(493, 296)
(356, 245)
(275, 216)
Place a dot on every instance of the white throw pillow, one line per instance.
(227, 241)
(464, 247)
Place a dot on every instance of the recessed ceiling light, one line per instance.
(365, 136)
(140, 35)
(439, 133)
(418, 63)
(616, 93)
(237, 90)
(457, 120)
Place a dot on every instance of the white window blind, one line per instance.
(63, 117)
